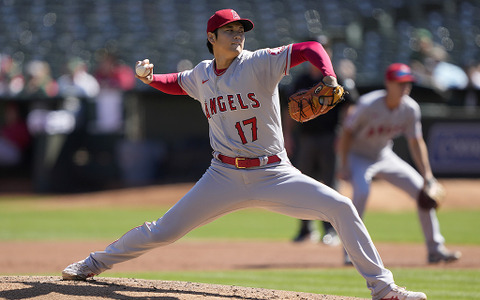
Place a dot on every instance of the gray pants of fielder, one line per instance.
(396, 171)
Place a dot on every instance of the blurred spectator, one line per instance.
(430, 65)
(447, 76)
(38, 81)
(347, 73)
(473, 88)
(114, 78)
(11, 78)
(425, 56)
(315, 153)
(474, 75)
(77, 81)
(14, 136)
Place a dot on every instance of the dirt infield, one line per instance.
(52, 288)
(42, 257)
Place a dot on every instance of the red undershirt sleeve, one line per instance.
(167, 83)
(314, 53)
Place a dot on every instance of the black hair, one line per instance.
(209, 45)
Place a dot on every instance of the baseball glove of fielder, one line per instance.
(306, 105)
(432, 195)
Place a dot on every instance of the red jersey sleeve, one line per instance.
(167, 83)
(314, 53)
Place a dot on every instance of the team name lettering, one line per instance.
(213, 106)
(221, 104)
(384, 130)
(255, 104)
(230, 102)
(240, 101)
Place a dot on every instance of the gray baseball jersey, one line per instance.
(243, 115)
(375, 125)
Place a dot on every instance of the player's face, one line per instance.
(230, 40)
(399, 89)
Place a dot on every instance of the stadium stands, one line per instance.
(372, 33)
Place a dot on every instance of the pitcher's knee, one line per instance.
(344, 205)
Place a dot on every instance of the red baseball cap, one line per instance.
(399, 72)
(225, 16)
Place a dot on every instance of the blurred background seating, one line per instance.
(171, 33)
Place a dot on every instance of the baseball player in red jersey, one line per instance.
(366, 151)
(238, 92)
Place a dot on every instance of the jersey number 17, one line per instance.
(252, 123)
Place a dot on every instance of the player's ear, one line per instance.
(211, 37)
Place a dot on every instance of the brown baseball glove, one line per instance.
(306, 105)
(432, 195)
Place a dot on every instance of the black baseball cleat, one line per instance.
(444, 255)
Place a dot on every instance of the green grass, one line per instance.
(108, 223)
(22, 219)
(458, 226)
(27, 220)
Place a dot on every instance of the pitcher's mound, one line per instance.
(53, 288)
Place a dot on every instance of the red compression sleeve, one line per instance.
(315, 54)
(167, 83)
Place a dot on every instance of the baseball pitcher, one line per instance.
(238, 93)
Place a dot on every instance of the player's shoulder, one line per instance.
(200, 68)
(268, 51)
(254, 57)
(371, 98)
(197, 73)
(204, 64)
(245, 55)
(410, 103)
